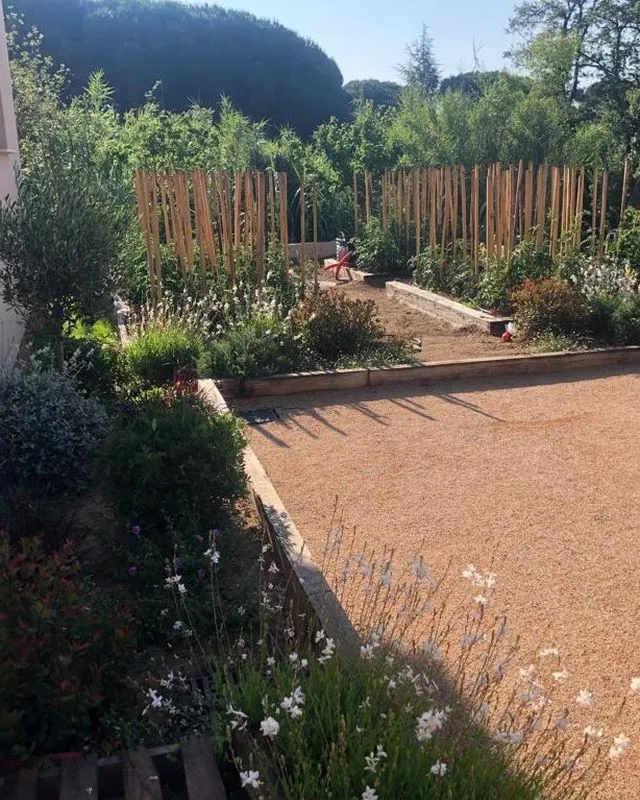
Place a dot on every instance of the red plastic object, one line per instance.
(338, 265)
(506, 336)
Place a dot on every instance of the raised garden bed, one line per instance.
(423, 374)
(444, 308)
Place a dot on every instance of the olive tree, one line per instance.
(59, 240)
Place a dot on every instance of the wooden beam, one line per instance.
(79, 778)
(201, 772)
(141, 780)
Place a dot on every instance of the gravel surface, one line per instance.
(541, 478)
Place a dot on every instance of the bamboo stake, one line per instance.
(284, 218)
(463, 192)
(555, 210)
(433, 212)
(355, 202)
(417, 208)
(528, 201)
(579, 210)
(476, 219)
(200, 208)
(164, 203)
(209, 189)
(594, 209)
(145, 226)
(314, 205)
(249, 223)
(367, 198)
(454, 211)
(603, 208)
(226, 218)
(625, 183)
(489, 213)
(541, 206)
(260, 226)
(498, 186)
(407, 194)
(272, 212)
(303, 235)
(237, 206)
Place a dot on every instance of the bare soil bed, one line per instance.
(543, 479)
(440, 341)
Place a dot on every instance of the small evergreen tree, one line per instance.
(421, 69)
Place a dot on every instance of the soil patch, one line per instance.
(439, 340)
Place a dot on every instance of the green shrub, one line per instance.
(378, 250)
(335, 327)
(96, 359)
(262, 345)
(160, 354)
(499, 277)
(65, 651)
(449, 275)
(626, 246)
(49, 431)
(615, 319)
(494, 287)
(548, 305)
(175, 462)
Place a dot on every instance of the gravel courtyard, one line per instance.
(543, 479)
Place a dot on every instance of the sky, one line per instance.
(367, 38)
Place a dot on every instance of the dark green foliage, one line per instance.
(261, 345)
(197, 52)
(548, 305)
(97, 361)
(59, 241)
(431, 271)
(336, 327)
(159, 355)
(378, 250)
(380, 93)
(175, 463)
(421, 70)
(615, 319)
(65, 650)
(49, 431)
(626, 245)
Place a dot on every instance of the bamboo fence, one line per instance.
(207, 219)
(491, 208)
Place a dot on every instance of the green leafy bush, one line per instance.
(159, 354)
(49, 432)
(626, 246)
(615, 319)
(96, 359)
(378, 250)
(262, 345)
(335, 326)
(175, 462)
(65, 651)
(449, 275)
(499, 277)
(548, 305)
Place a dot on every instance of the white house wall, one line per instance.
(11, 329)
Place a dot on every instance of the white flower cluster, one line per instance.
(429, 723)
(484, 580)
(598, 276)
(373, 759)
(293, 703)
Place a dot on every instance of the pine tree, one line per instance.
(421, 70)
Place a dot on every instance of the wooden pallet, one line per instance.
(137, 775)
